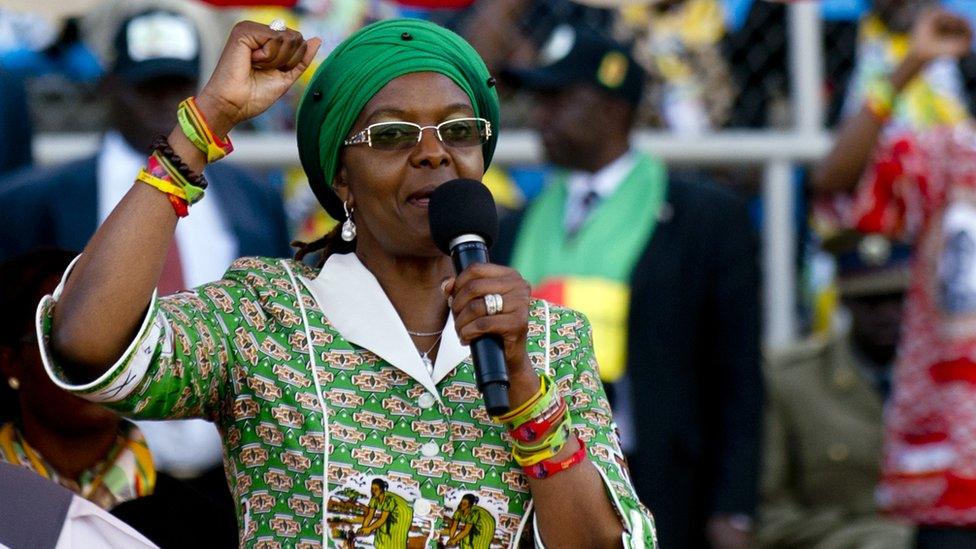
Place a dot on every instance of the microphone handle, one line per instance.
(486, 351)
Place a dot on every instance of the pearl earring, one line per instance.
(348, 227)
(14, 383)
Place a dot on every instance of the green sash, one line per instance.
(591, 271)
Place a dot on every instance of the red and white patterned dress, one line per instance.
(923, 186)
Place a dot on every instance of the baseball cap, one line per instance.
(581, 54)
(157, 43)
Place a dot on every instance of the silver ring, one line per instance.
(277, 25)
(493, 304)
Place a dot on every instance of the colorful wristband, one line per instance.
(552, 445)
(535, 428)
(179, 205)
(535, 407)
(512, 414)
(162, 184)
(549, 468)
(197, 130)
(160, 166)
(879, 99)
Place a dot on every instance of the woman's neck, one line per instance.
(413, 286)
(69, 454)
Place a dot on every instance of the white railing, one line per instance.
(777, 151)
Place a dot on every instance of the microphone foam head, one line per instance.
(462, 206)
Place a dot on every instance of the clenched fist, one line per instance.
(256, 68)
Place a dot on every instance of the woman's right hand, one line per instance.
(256, 68)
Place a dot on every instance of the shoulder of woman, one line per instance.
(558, 314)
(255, 269)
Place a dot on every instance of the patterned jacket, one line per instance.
(318, 392)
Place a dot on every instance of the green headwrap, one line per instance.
(359, 67)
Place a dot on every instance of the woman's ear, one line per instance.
(341, 185)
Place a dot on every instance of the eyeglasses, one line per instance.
(393, 136)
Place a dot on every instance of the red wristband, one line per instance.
(548, 468)
(534, 429)
(179, 205)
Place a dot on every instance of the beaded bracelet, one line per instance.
(548, 468)
(197, 130)
(173, 160)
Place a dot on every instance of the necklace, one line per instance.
(426, 359)
(426, 334)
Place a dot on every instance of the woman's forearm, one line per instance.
(573, 508)
(106, 296)
(841, 169)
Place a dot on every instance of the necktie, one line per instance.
(585, 206)
(171, 279)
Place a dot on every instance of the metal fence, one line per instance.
(777, 151)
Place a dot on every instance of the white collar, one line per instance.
(357, 307)
(605, 180)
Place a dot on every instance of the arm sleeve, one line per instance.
(177, 365)
(732, 360)
(574, 368)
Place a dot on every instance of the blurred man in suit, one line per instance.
(665, 269)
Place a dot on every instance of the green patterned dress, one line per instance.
(309, 418)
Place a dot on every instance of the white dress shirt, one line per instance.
(603, 182)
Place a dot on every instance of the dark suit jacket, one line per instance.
(693, 361)
(58, 207)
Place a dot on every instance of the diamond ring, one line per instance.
(277, 25)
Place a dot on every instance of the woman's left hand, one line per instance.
(511, 324)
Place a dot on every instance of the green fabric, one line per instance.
(610, 240)
(235, 351)
(360, 67)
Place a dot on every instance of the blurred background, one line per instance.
(750, 96)
(747, 88)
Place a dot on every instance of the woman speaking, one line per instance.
(346, 397)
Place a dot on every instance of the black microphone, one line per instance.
(464, 224)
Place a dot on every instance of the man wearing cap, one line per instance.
(156, 65)
(666, 271)
(824, 416)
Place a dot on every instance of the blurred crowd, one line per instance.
(861, 435)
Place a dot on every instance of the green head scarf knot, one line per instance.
(359, 67)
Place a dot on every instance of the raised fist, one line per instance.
(256, 68)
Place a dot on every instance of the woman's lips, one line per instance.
(421, 198)
(420, 202)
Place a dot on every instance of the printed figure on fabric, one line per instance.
(472, 527)
(388, 517)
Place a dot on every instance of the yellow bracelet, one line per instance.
(164, 186)
(544, 385)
